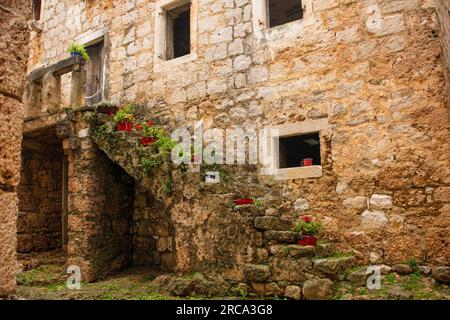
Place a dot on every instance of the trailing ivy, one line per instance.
(104, 133)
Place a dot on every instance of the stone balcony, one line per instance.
(43, 87)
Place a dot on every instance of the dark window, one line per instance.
(284, 11)
(295, 149)
(37, 10)
(178, 32)
(94, 76)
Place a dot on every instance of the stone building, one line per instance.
(13, 60)
(357, 85)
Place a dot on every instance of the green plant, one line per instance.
(258, 202)
(168, 186)
(150, 296)
(390, 278)
(312, 228)
(78, 48)
(413, 265)
(413, 282)
(104, 133)
(243, 292)
(124, 114)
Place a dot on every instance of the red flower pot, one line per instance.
(240, 202)
(145, 141)
(124, 126)
(308, 241)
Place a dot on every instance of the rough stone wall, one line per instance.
(442, 10)
(39, 224)
(100, 213)
(13, 57)
(371, 67)
(152, 232)
(443, 13)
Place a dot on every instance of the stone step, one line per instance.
(333, 266)
(274, 237)
(299, 251)
(266, 223)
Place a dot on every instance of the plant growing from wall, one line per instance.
(77, 49)
(104, 133)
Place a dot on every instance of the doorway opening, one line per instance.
(40, 223)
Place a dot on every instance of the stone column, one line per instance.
(15, 34)
(77, 88)
(51, 92)
(100, 210)
(32, 98)
(11, 115)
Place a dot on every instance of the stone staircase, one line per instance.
(283, 268)
(123, 148)
(289, 267)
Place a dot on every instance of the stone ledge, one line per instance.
(298, 173)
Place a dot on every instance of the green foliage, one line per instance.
(243, 293)
(414, 266)
(168, 186)
(124, 114)
(149, 160)
(107, 296)
(104, 133)
(258, 202)
(413, 282)
(150, 296)
(312, 228)
(78, 48)
(55, 287)
(390, 278)
(157, 153)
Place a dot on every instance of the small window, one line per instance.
(178, 31)
(37, 10)
(299, 151)
(284, 11)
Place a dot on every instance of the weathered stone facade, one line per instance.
(13, 57)
(442, 10)
(443, 13)
(368, 71)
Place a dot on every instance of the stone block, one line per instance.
(318, 289)
(272, 223)
(257, 272)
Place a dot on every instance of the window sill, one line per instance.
(298, 173)
(162, 65)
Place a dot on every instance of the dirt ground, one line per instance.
(43, 277)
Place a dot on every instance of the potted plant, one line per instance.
(149, 132)
(76, 49)
(124, 118)
(308, 230)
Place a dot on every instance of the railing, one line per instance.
(43, 86)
